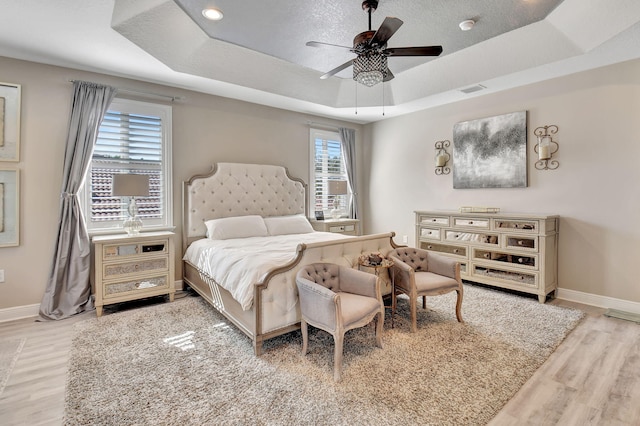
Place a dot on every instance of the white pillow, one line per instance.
(292, 224)
(236, 227)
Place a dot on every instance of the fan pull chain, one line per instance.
(356, 97)
(382, 98)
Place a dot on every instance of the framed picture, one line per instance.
(9, 122)
(491, 152)
(9, 207)
(319, 215)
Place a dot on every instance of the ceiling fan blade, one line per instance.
(413, 51)
(389, 76)
(321, 44)
(337, 70)
(386, 30)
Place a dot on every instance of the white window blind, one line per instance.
(134, 137)
(328, 164)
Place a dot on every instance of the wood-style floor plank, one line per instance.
(593, 377)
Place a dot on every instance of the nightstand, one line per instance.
(342, 226)
(132, 267)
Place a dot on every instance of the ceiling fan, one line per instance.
(370, 64)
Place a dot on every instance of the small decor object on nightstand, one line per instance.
(319, 215)
(337, 188)
(374, 259)
(131, 185)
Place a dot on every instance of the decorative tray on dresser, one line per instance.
(514, 251)
(132, 267)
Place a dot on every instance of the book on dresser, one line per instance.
(515, 251)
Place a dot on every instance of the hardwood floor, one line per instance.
(593, 378)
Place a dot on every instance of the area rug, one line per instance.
(182, 363)
(10, 350)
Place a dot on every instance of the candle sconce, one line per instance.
(546, 147)
(442, 158)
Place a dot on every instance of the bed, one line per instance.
(239, 194)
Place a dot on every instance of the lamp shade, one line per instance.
(130, 185)
(338, 187)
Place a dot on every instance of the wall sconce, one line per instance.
(442, 158)
(546, 147)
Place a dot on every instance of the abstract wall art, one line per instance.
(491, 152)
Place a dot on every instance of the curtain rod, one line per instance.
(330, 126)
(140, 92)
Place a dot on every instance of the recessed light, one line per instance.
(467, 25)
(212, 14)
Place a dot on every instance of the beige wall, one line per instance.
(206, 129)
(595, 189)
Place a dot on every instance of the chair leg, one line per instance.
(338, 338)
(459, 306)
(379, 327)
(424, 302)
(414, 314)
(305, 336)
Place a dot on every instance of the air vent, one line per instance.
(472, 89)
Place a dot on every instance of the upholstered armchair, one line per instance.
(419, 272)
(336, 299)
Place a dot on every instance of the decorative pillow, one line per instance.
(292, 224)
(236, 227)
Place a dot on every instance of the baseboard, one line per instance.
(599, 301)
(19, 312)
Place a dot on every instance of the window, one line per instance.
(328, 164)
(134, 137)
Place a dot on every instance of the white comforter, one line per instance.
(238, 264)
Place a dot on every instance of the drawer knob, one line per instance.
(486, 255)
(520, 260)
(520, 242)
(470, 222)
(456, 250)
(433, 220)
(429, 247)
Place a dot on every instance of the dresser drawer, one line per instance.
(123, 250)
(516, 225)
(472, 237)
(444, 248)
(430, 233)
(470, 222)
(138, 285)
(529, 261)
(433, 220)
(521, 242)
(523, 279)
(343, 228)
(114, 270)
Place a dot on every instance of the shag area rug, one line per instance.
(182, 363)
(10, 350)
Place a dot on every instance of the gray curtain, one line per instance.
(68, 289)
(348, 137)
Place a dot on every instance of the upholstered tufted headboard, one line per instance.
(235, 189)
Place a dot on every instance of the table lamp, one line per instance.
(131, 185)
(337, 188)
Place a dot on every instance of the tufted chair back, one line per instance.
(412, 257)
(324, 274)
(336, 299)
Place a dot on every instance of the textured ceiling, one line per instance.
(280, 28)
(257, 52)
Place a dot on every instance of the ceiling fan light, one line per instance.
(369, 78)
(370, 69)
